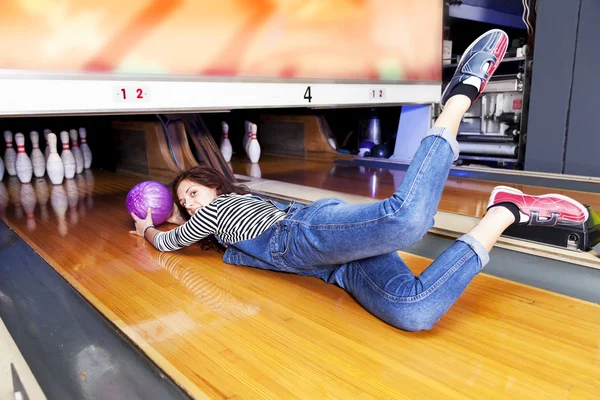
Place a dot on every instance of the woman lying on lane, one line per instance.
(355, 245)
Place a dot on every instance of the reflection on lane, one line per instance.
(217, 296)
(28, 200)
(75, 195)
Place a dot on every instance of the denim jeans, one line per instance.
(355, 245)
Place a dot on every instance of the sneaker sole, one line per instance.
(506, 189)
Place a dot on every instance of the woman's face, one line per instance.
(193, 196)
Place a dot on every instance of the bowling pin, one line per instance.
(67, 156)
(332, 143)
(226, 148)
(28, 200)
(1, 169)
(247, 134)
(47, 149)
(85, 149)
(37, 157)
(54, 164)
(10, 156)
(253, 149)
(79, 163)
(23, 164)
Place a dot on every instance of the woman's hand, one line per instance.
(176, 217)
(142, 224)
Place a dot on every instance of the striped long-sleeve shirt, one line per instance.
(230, 217)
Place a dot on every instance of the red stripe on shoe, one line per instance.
(498, 52)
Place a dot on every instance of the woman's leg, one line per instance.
(332, 232)
(386, 287)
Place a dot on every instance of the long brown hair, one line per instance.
(210, 178)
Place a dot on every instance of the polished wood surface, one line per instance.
(227, 332)
(142, 150)
(461, 195)
(314, 143)
(180, 146)
(202, 145)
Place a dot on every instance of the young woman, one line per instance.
(355, 246)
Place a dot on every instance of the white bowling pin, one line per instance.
(28, 200)
(79, 163)
(253, 149)
(226, 148)
(67, 156)
(1, 169)
(85, 149)
(54, 164)
(37, 157)
(10, 156)
(47, 149)
(247, 134)
(23, 164)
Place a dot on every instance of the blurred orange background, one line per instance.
(397, 40)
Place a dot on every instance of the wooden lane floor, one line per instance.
(461, 195)
(227, 332)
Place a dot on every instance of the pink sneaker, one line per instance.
(549, 209)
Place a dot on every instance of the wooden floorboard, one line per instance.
(224, 332)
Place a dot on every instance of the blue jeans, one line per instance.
(355, 245)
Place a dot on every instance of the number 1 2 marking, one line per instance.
(140, 93)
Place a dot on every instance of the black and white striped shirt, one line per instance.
(230, 217)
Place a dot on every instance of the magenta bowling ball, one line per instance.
(153, 195)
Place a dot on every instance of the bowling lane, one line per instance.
(222, 331)
(462, 196)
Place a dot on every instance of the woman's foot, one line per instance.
(476, 66)
(549, 209)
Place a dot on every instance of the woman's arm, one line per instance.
(202, 224)
(176, 217)
(142, 226)
(150, 233)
